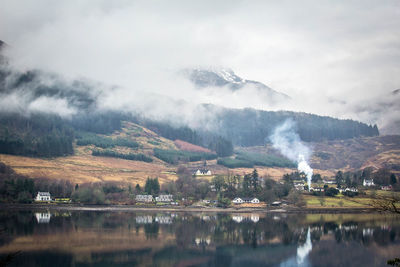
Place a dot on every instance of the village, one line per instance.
(249, 191)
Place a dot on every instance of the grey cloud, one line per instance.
(314, 51)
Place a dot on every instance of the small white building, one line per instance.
(144, 198)
(368, 182)
(317, 189)
(165, 198)
(253, 200)
(203, 172)
(299, 186)
(43, 196)
(237, 200)
(351, 189)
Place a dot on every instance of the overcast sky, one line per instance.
(338, 58)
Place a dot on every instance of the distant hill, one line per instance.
(220, 77)
(223, 128)
(250, 127)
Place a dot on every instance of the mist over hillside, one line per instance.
(81, 105)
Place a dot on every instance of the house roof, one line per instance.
(43, 193)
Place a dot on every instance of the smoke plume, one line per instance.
(288, 142)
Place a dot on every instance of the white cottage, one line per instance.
(202, 173)
(238, 200)
(165, 198)
(368, 182)
(144, 198)
(43, 196)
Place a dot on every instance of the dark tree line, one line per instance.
(174, 156)
(18, 188)
(86, 138)
(129, 156)
(39, 135)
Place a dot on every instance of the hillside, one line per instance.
(83, 167)
(351, 154)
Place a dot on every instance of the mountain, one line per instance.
(204, 78)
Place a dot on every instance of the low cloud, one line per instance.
(339, 59)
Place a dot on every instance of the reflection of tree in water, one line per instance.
(151, 230)
(218, 237)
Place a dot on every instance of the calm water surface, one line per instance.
(90, 238)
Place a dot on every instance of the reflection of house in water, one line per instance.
(368, 232)
(144, 219)
(348, 228)
(163, 219)
(202, 241)
(147, 219)
(249, 217)
(42, 217)
(238, 218)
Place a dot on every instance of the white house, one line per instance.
(43, 196)
(144, 198)
(165, 198)
(202, 172)
(317, 189)
(253, 200)
(238, 200)
(299, 185)
(351, 189)
(368, 182)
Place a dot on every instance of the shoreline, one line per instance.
(132, 208)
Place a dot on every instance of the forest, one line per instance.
(250, 127)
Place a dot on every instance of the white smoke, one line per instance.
(288, 142)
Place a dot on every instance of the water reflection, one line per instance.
(83, 238)
(304, 250)
(43, 217)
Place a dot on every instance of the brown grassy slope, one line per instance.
(83, 167)
(328, 157)
(182, 145)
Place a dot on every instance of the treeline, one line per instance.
(175, 156)
(129, 156)
(250, 127)
(86, 138)
(98, 122)
(249, 160)
(381, 177)
(39, 135)
(21, 189)
(15, 188)
(226, 187)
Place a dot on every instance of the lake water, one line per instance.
(93, 238)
